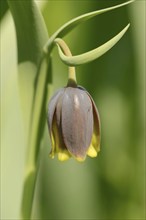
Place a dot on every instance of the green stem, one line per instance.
(71, 73)
(37, 125)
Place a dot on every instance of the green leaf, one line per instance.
(3, 8)
(36, 133)
(26, 79)
(34, 74)
(31, 35)
(30, 29)
(91, 55)
(67, 27)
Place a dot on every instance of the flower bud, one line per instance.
(74, 124)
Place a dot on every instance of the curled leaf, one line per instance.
(70, 25)
(90, 55)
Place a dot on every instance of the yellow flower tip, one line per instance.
(92, 152)
(79, 159)
(62, 156)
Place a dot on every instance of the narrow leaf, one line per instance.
(67, 27)
(30, 29)
(34, 73)
(91, 55)
(26, 79)
(31, 35)
(3, 8)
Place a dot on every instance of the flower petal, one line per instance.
(51, 110)
(52, 106)
(59, 109)
(91, 151)
(59, 146)
(62, 156)
(96, 130)
(77, 121)
(95, 142)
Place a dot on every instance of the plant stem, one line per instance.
(36, 131)
(71, 73)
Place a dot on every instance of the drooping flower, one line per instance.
(74, 124)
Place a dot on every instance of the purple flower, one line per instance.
(74, 124)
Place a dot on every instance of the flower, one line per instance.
(74, 124)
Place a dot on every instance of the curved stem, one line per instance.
(71, 74)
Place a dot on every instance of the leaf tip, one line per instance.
(126, 28)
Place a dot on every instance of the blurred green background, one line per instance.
(112, 185)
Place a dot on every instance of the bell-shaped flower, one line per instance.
(74, 124)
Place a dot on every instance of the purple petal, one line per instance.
(97, 126)
(59, 109)
(52, 106)
(77, 121)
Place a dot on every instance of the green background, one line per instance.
(110, 186)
